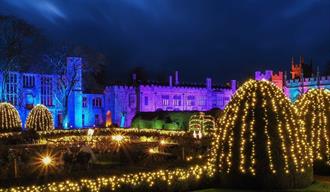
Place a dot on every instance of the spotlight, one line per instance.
(46, 160)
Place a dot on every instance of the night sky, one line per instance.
(200, 38)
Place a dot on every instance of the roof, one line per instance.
(164, 83)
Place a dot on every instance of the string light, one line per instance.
(102, 131)
(113, 183)
(40, 119)
(201, 123)
(153, 150)
(90, 132)
(9, 118)
(118, 138)
(259, 119)
(314, 110)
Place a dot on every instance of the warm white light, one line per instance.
(153, 150)
(195, 135)
(117, 138)
(47, 160)
(90, 132)
(162, 142)
(200, 135)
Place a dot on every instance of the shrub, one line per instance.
(314, 110)
(259, 142)
(40, 119)
(9, 118)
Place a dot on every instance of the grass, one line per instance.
(317, 186)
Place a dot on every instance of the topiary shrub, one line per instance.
(9, 118)
(259, 142)
(40, 119)
(314, 110)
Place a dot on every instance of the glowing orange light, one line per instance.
(163, 142)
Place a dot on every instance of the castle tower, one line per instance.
(296, 69)
(176, 77)
(278, 79)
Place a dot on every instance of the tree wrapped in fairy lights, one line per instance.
(314, 110)
(40, 119)
(201, 123)
(9, 118)
(260, 142)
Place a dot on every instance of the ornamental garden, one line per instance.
(260, 141)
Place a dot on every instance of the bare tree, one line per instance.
(56, 59)
(20, 44)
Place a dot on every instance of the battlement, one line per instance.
(278, 75)
(264, 76)
(120, 87)
(323, 79)
(165, 85)
(296, 66)
(193, 87)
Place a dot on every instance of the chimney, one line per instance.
(208, 83)
(233, 85)
(170, 80)
(134, 77)
(176, 77)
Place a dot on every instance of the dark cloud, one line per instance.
(222, 39)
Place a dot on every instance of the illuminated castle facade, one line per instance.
(302, 79)
(25, 90)
(117, 104)
(126, 100)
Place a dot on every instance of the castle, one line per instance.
(74, 107)
(302, 79)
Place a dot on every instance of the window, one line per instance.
(220, 101)
(84, 102)
(191, 100)
(146, 102)
(28, 81)
(131, 100)
(11, 88)
(202, 101)
(165, 100)
(177, 100)
(214, 101)
(46, 90)
(97, 102)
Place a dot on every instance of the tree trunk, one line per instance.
(65, 112)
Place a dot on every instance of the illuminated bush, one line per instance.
(314, 110)
(9, 118)
(40, 119)
(201, 122)
(260, 142)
